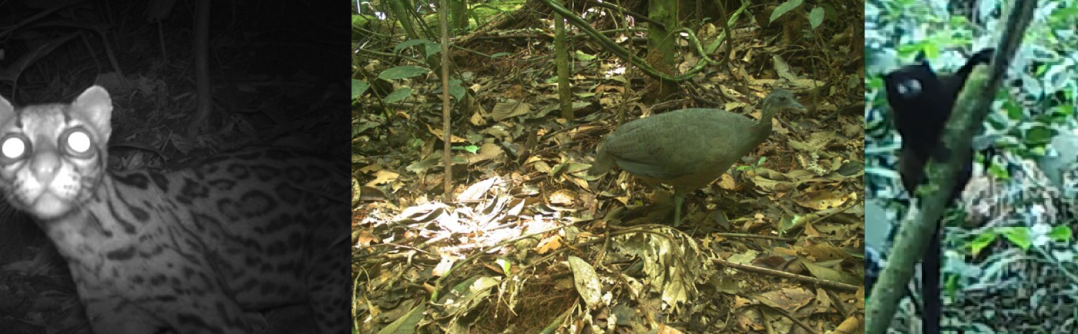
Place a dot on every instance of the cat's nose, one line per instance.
(44, 165)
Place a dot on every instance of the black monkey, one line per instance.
(921, 102)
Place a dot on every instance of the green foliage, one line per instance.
(468, 148)
(997, 170)
(397, 73)
(398, 94)
(815, 17)
(456, 90)
(358, 88)
(1021, 236)
(402, 72)
(753, 166)
(1060, 234)
(430, 48)
(783, 8)
(360, 21)
(981, 242)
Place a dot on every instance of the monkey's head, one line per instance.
(910, 82)
(918, 100)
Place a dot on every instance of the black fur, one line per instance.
(921, 102)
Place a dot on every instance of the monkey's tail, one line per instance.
(930, 285)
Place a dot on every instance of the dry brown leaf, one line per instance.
(784, 251)
(548, 244)
(441, 135)
(476, 191)
(562, 197)
(853, 324)
(486, 152)
(383, 177)
(443, 267)
(788, 299)
(370, 168)
(509, 108)
(664, 329)
(365, 238)
(824, 252)
(727, 182)
(820, 199)
(477, 119)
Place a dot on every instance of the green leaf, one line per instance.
(932, 51)
(1065, 110)
(433, 49)
(1019, 236)
(499, 55)
(469, 148)
(928, 47)
(430, 48)
(783, 8)
(951, 285)
(1014, 112)
(1060, 234)
(402, 72)
(981, 241)
(358, 88)
(1038, 151)
(580, 55)
(455, 89)
(999, 172)
(506, 265)
(359, 20)
(1038, 135)
(397, 95)
(1063, 14)
(816, 17)
(407, 322)
(409, 43)
(362, 126)
(874, 83)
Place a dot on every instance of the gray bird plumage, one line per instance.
(687, 148)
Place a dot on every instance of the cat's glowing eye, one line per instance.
(77, 141)
(13, 147)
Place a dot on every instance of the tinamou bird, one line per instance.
(687, 148)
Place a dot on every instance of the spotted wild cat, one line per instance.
(187, 250)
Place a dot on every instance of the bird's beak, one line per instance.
(798, 106)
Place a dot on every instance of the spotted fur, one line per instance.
(189, 250)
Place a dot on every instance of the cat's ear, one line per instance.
(96, 105)
(6, 110)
